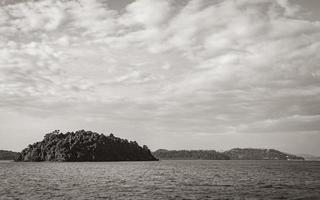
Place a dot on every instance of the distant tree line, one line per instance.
(190, 155)
(233, 154)
(8, 155)
(259, 154)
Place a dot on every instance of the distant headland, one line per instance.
(8, 155)
(84, 146)
(233, 154)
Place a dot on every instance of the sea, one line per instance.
(183, 179)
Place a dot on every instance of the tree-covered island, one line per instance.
(84, 146)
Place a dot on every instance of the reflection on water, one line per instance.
(161, 180)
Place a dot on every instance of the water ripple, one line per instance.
(161, 180)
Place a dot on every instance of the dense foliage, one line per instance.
(84, 146)
(259, 154)
(8, 155)
(189, 155)
(233, 154)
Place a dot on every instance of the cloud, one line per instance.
(92, 16)
(139, 12)
(195, 67)
(295, 123)
(33, 16)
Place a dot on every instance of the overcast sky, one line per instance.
(187, 74)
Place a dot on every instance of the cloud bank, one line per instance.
(205, 74)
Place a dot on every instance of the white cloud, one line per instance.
(32, 16)
(146, 12)
(93, 16)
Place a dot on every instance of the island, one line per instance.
(82, 146)
(233, 154)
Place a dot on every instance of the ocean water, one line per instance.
(161, 180)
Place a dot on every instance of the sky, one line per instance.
(187, 74)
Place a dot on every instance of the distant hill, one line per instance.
(8, 155)
(259, 154)
(163, 154)
(84, 146)
(233, 154)
(310, 157)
